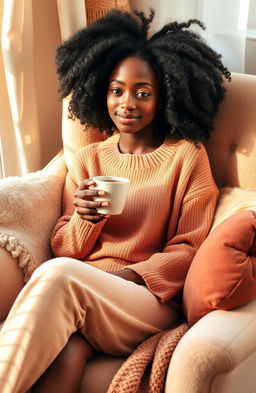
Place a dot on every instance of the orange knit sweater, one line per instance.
(168, 213)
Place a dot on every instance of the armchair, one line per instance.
(218, 353)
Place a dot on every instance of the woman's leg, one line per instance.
(64, 295)
(67, 369)
(11, 281)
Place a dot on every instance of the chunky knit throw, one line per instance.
(145, 369)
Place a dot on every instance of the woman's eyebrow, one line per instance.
(136, 84)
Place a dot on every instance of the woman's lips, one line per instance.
(127, 119)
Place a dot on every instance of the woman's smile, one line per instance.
(127, 118)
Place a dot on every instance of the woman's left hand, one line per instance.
(129, 275)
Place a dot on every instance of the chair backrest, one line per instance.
(232, 146)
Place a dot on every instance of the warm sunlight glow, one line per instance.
(14, 16)
(15, 83)
(28, 139)
(15, 91)
(1, 160)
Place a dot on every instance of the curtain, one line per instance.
(30, 126)
(225, 20)
(22, 133)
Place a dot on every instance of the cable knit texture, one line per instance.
(168, 213)
(145, 369)
(17, 250)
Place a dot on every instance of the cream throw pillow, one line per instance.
(29, 208)
(233, 200)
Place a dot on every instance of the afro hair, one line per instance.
(190, 74)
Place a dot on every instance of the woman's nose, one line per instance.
(128, 102)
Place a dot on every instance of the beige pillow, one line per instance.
(30, 206)
(233, 200)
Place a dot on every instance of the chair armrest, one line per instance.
(217, 355)
(58, 160)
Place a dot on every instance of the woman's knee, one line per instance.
(60, 271)
(55, 266)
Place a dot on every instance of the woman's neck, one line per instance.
(138, 144)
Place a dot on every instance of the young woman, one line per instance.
(115, 278)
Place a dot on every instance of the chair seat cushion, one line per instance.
(223, 273)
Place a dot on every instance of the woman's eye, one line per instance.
(143, 94)
(116, 91)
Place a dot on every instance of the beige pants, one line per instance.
(62, 296)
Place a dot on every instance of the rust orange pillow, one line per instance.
(222, 275)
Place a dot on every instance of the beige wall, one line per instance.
(250, 56)
(46, 38)
(183, 11)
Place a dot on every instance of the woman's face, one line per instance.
(132, 96)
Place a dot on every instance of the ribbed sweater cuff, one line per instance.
(86, 229)
(152, 280)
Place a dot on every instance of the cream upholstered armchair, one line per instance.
(218, 353)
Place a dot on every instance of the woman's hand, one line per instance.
(84, 204)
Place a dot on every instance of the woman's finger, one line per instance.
(88, 193)
(89, 204)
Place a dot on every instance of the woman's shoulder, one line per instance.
(94, 148)
(186, 149)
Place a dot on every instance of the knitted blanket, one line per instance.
(145, 369)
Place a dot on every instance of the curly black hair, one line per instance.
(190, 74)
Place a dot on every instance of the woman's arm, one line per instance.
(164, 272)
(74, 235)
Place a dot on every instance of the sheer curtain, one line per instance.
(19, 123)
(30, 112)
(225, 20)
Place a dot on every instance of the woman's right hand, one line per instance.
(84, 204)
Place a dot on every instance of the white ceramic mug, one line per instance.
(116, 191)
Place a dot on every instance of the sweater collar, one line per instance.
(165, 152)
